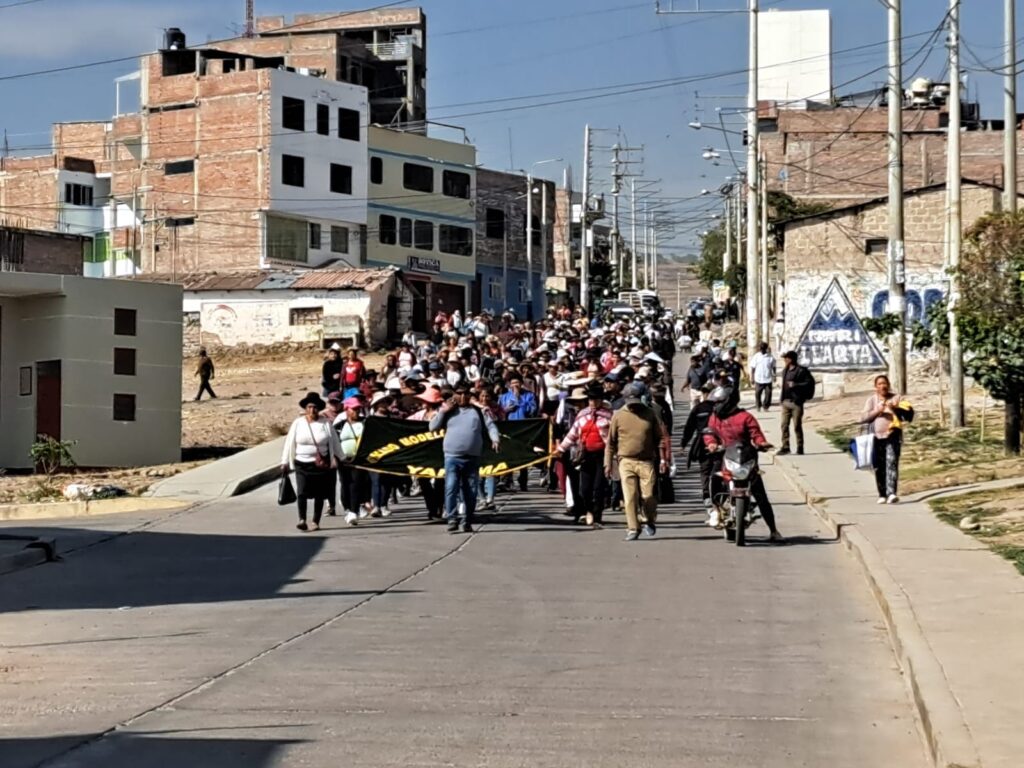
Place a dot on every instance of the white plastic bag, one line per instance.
(863, 448)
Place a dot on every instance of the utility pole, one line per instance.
(763, 293)
(753, 283)
(529, 246)
(897, 254)
(504, 260)
(647, 247)
(250, 21)
(955, 225)
(727, 256)
(632, 216)
(1010, 116)
(584, 219)
(616, 179)
(544, 247)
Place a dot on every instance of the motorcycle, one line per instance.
(736, 506)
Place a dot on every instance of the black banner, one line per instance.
(402, 447)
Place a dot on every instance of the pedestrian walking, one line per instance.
(637, 439)
(352, 374)
(518, 404)
(355, 494)
(330, 371)
(693, 443)
(311, 449)
(797, 389)
(695, 377)
(205, 371)
(585, 444)
(465, 427)
(762, 373)
(885, 412)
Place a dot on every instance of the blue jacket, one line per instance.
(518, 408)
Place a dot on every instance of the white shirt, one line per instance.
(306, 439)
(763, 366)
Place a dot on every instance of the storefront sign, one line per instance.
(835, 339)
(423, 264)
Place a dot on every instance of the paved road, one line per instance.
(218, 637)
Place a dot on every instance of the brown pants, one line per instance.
(638, 492)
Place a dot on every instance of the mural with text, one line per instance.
(918, 302)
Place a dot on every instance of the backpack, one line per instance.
(811, 385)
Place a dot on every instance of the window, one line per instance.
(339, 239)
(418, 178)
(534, 230)
(876, 246)
(293, 170)
(314, 236)
(387, 230)
(306, 316)
(494, 289)
(77, 194)
(179, 166)
(522, 291)
(348, 124)
(124, 407)
(124, 361)
(456, 240)
(405, 233)
(287, 240)
(341, 179)
(323, 119)
(124, 322)
(180, 221)
(423, 235)
(495, 223)
(456, 184)
(293, 113)
(376, 170)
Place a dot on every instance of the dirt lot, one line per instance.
(994, 517)
(257, 398)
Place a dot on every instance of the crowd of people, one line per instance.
(604, 383)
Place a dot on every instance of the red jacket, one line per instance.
(738, 427)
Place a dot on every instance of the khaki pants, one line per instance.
(639, 492)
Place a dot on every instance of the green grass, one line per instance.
(1012, 553)
(982, 506)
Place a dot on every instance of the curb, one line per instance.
(36, 552)
(57, 509)
(945, 732)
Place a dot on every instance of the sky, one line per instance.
(522, 77)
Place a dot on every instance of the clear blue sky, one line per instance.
(482, 50)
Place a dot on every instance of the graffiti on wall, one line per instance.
(918, 302)
(835, 339)
(255, 323)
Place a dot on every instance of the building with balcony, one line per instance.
(422, 217)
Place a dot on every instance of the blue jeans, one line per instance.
(461, 478)
(380, 489)
(490, 487)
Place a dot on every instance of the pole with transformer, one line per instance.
(896, 246)
(955, 223)
(753, 284)
(584, 258)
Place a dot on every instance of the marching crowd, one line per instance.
(604, 383)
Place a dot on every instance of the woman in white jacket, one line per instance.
(312, 450)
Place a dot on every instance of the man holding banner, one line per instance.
(465, 426)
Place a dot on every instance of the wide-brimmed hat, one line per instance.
(378, 396)
(430, 395)
(594, 391)
(312, 398)
(578, 394)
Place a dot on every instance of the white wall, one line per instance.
(315, 200)
(78, 219)
(795, 56)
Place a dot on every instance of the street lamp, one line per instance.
(529, 232)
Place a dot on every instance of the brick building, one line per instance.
(840, 154)
(850, 243)
(501, 268)
(39, 251)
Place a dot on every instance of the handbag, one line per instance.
(863, 449)
(285, 491)
(320, 462)
(666, 490)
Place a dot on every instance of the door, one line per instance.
(48, 400)
(393, 334)
(419, 305)
(447, 297)
(478, 291)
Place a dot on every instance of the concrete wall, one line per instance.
(75, 324)
(819, 249)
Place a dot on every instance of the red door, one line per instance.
(48, 398)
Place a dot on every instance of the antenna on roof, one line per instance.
(250, 12)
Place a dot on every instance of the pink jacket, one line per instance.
(602, 417)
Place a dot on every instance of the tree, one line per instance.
(990, 313)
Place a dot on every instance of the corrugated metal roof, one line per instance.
(268, 280)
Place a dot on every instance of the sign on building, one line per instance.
(719, 291)
(424, 264)
(835, 339)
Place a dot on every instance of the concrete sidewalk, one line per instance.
(231, 476)
(955, 610)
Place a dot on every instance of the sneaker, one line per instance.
(776, 536)
(302, 525)
(351, 518)
(649, 531)
(332, 512)
(314, 526)
(453, 526)
(363, 513)
(893, 499)
(714, 518)
(489, 503)
(881, 500)
(375, 512)
(467, 528)
(385, 512)
(782, 452)
(632, 535)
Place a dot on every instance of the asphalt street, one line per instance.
(219, 636)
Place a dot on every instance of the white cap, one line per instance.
(336, 347)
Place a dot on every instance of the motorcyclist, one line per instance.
(730, 425)
(693, 439)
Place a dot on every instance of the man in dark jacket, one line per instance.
(693, 436)
(797, 389)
